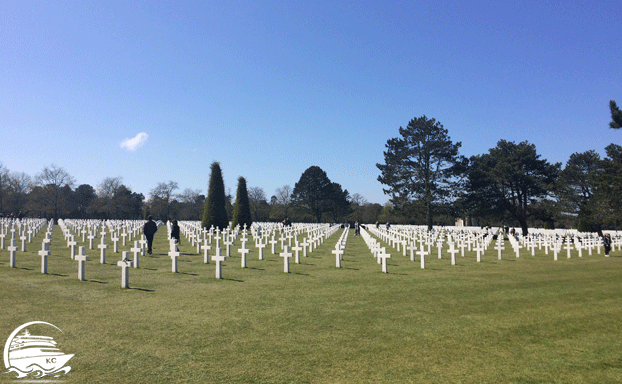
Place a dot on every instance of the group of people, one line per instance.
(150, 228)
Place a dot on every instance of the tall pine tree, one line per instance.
(242, 208)
(215, 212)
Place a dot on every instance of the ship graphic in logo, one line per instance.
(27, 355)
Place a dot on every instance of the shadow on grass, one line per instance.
(57, 274)
(142, 289)
(300, 274)
(187, 273)
(150, 269)
(25, 269)
(236, 280)
(98, 282)
(256, 269)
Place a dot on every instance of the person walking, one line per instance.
(149, 229)
(175, 231)
(607, 244)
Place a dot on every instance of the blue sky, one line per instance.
(270, 88)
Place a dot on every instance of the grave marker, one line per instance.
(452, 250)
(219, 259)
(81, 257)
(243, 250)
(382, 257)
(421, 252)
(102, 246)
(285, 255)
(44, 253)
(125, 264)
(136, 250)
(338, 252)
(12, 249)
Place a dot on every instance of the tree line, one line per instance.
(427, 179)
(54, 193)
(511, 184)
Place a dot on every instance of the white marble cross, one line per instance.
(452, 250)
(228, 243)
(285, 255)
(556, 248)
(174, 254)
(579, 248)
(412, 247)
(338, 252)
(206, 248)
(44, 253)
(72, 243)
(421, 252)
(260, 245)
(143, 244)
(479, 249)
(102, 246)
(568, 247)
(12, 249)
(23, 238)
(219, 259)
(282, 239)
(91, 237)
(136, 250)
(297, 250)
(273, 243)
(81, 257)
(115, 242)
(499, 247)
(382, 257)
(243, 250)
(125, 264)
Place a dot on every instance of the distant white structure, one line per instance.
(459, 223)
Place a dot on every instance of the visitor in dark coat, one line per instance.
(149, 229)
(175, 231)
(607, 244)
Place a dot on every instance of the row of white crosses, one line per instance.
(474, 239)
(24, 230)
(407, 237)
(340, 247)
(379, 252)
(20, 226)
(130, 227)
(568, 240)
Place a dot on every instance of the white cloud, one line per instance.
(135, 142)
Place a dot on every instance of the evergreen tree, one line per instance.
(312, 191)
(420, 167)
(616, 115)
(242, 208)
(215, 212)
(511, 178)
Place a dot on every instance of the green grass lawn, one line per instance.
(525, 320)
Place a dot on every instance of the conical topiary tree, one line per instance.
(215, 212)
(242, 208)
